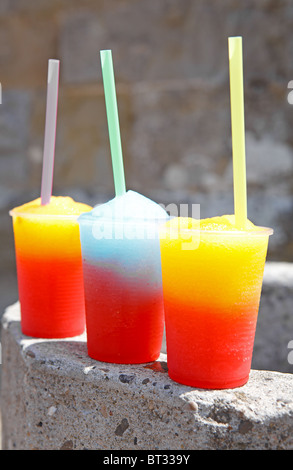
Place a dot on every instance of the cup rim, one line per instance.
(12, 213)
(261, 231)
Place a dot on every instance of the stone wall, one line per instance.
(55, 397)
(171, 68)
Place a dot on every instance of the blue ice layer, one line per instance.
(122, 236)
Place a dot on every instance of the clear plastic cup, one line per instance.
(49, 274)
(123, 289)
(212, 284)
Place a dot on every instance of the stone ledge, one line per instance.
(274, 328)
(55, 397)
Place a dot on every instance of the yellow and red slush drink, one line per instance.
(211, 299)
(49, 267)
(123, 280)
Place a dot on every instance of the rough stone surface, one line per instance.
(274, 331)
(14, 130)
(55, 397)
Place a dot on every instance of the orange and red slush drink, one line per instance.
(211, 299)
(49, 267)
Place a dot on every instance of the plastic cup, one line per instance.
(49, 273)
(211, 301)
(123, 289)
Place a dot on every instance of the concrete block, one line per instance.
(55, 397)
(274, 329)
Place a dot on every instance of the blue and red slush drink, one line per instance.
(122, 279)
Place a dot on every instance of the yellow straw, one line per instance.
(238, 130)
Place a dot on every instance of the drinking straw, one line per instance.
(238, 130)
(50, 131)
(113, 121)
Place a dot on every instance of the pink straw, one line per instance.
(50, 131)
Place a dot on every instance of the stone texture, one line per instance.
(274, 330)
(175, 39)
(191, 111)
(14, 135)
(83, 136)
(55, 397)
(27, 42)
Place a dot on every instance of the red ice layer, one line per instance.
(209, 347)
(51, 296)
(124, 317)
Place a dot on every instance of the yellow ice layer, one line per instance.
(216, 266)
(41, 231)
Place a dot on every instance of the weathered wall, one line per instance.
(171, 68)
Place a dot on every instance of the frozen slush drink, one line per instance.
(211, 299)
(49, 267)
(122, 279)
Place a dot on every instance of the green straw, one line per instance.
(238, 130)
(113, 121)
